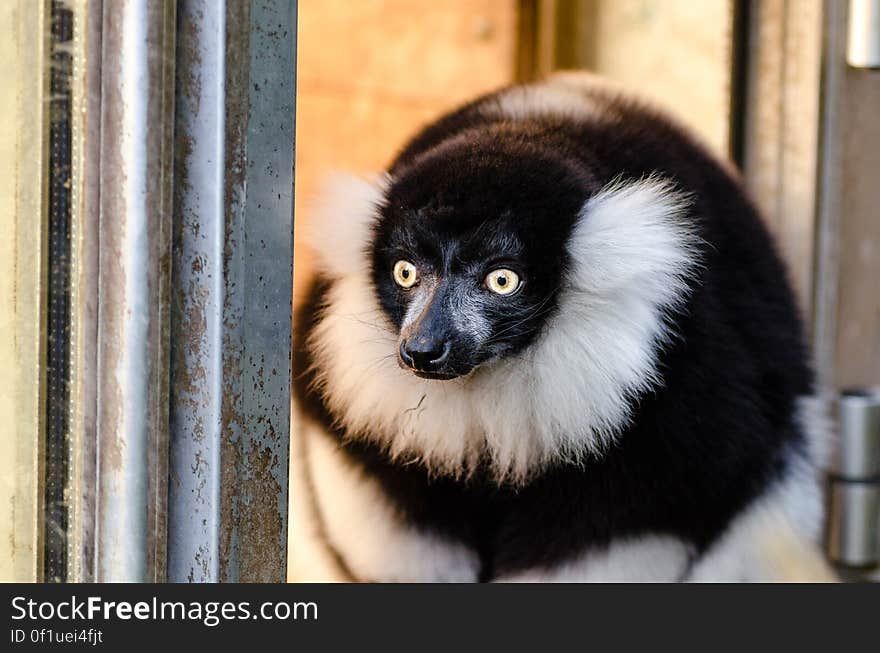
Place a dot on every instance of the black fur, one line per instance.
(701, 447)
(463, 209)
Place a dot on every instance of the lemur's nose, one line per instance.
(425, 354)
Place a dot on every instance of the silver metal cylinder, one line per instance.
(134, 275)
(857, 455)
(854, 527)
(198, 296)
(854, 492)
(863, 39)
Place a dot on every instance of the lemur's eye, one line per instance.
(405, 274)
(502, 281)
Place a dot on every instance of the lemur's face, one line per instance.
(469, 255)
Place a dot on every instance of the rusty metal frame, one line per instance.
(130, 203)
(232, 287)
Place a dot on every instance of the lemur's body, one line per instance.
(633, 410)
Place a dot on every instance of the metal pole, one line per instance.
(197, 298)
(231, 301)
(134, 262)
(84, 252)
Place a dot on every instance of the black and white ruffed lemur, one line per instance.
(552, 342)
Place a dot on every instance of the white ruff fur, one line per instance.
(550, 98)
(775, 538)
(565, 397)
(362, 524)
(647, 559)
(569, 94)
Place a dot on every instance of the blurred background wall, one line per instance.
(372, 72)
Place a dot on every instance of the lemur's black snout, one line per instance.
(425, 354)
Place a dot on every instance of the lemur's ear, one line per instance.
(340, 223)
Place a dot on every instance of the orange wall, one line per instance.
(371, 72)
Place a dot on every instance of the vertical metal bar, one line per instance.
(829, 204)
(739, 70)
(84, 246)
(258, 393)
(134, 267)
(197, 297)
(232, 291)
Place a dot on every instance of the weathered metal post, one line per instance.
(231, 298)
(147, 424)
(133, 285)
